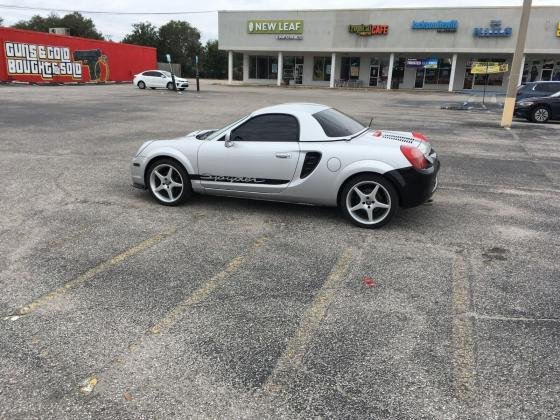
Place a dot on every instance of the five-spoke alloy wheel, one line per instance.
(369, 201)
(168, 182)
(141, 85)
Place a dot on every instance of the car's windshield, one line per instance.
(337, 124)
(165, 72)
(221, 131)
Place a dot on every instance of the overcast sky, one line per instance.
(115, 26)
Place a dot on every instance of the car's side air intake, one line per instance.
(310, 162)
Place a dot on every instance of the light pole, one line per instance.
(509, 103)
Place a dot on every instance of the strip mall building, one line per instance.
(421, 48)
(37, 57)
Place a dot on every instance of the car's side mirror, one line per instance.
(228, 142)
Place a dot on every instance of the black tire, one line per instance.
(182, 89)
(540, 114)
(141, 85)
(170, 86)
(386, 195)
(153, 88)
(179, 174)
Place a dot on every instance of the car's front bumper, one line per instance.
(521, 112)
(137, 172)
(415, 186)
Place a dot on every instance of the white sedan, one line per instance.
(158, 79)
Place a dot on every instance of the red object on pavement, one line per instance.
(368, 281)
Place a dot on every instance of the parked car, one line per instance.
(158, 79)
(539, 110)
(299, 153)
(537, 89)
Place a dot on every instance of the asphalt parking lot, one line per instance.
(113, 305)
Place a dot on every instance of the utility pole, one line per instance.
(197, 78)
(516, 69)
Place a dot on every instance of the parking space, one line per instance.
(114, 305)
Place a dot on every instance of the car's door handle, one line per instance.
(283, 155)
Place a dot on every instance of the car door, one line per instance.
(159, 79)
(261, 156)
(149, 79)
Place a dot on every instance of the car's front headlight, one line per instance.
(524, 104)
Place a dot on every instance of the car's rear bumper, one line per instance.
(415, 186)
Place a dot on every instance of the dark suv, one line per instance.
(534, 89)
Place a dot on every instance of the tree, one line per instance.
(143, 33)
(76, 22)
(182, 41)
(214, 61)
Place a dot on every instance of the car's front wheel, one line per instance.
(170, 86)
(540, 114)
(141, 85)
(168, 182)
(369, 201)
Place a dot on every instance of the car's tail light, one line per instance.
(415, 157)
(419, 136)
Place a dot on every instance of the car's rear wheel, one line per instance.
(540, 114)
(141, 85)
(168, 182)
(369, 201)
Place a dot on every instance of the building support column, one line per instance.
(245, 68)
(521, 72)
(279, 69)
(230, 67)
(390, 71)
(452, 75)
(333, 68)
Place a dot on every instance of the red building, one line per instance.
(39, 57)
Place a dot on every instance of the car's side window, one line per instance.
(268, 127)
(151, 74)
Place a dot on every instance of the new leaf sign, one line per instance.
(279, 26)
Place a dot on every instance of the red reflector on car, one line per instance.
(419, 136)
(376, 133)
(415, 157)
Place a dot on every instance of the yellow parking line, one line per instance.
(464, 361)
(89, 274)
(293, 354)
(204, 291)
(88, 385)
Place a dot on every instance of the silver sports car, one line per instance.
(299, 153)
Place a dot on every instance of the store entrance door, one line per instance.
(419, 82)
(373, 75)
(298, 74)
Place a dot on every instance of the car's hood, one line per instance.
(533, 98)
(201, 134)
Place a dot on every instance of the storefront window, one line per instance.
(263, 67)
(293, 69)
(321, 68)
(439, 75)
(350, 68)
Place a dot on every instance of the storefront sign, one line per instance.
(438, 25)
(479, 67)
(428, 63)
(290, 37)
(495, 30)
(278, 26)
(368, 30)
